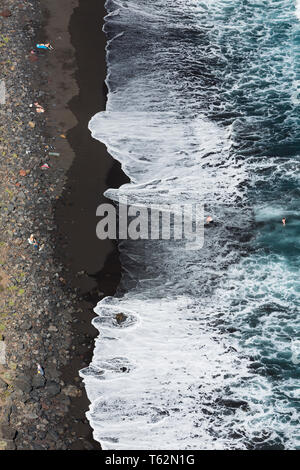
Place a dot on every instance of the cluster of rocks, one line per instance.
(37, 308)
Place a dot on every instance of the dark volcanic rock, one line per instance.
(5, 13)
(52, 389)
(7, 432)
(9, 444)
(120, 317)
(52, 435)
(3, 385)
(38, 381)
(23, 384)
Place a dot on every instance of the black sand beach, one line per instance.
(48, 296)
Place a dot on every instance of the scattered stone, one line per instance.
(27, 325)
(23, 385)
(35, 395)
(38, 381)
(6, 13)
(40, 370)
(52, 435)
(6, 412)
(53, 328)
(45, 166)
(24, 172)
(31, 124)
(31, 415)
(7, 445)
(120, 317)
(52, 389)
(3, 385)
(71, 391)
(39, 447)
(87, 445)
(7, 432)
(33, 58)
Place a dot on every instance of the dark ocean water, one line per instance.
(203, 105)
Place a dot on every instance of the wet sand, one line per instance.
(48, 296)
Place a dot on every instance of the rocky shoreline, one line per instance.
(46, 300)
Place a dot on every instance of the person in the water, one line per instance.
(284, 221)
(209, 221)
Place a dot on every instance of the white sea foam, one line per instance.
(175, 368)
(298, 9)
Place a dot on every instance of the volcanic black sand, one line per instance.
(48, 295)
